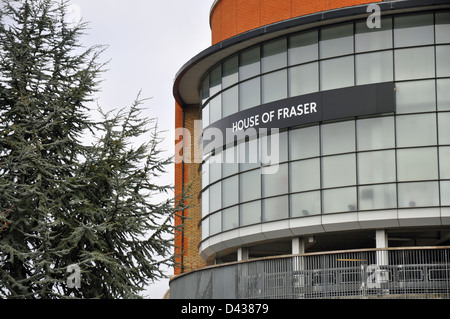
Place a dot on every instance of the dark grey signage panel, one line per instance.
(335, 104)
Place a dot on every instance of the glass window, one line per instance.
(304, 142)
(305, 175)
(416, 130)
(230, 189)
(230, 70)
(305, 204)
(274, 148)
(274, 55)
(230, 161)
(303, 47)
(443, 60)
(276, 208)
(336, 40)
(417, 164)
(443, 94)
(376, 133)
(205, 228)
(250, 61)
(215, 167)
(336, 73)
(215, 197)
(445, 193)
(205, 116)
(304, 79)
(250, 93)
(339, 170)
(215, 109)
(205, 203)
(215, 223)
(444, 129)
(339, 200)
(416, 63)
(338, 137)
(248, 153)
(230, 101)
(250, 185)
(276, 183)
(250, 213)
(371, 39)
(215, 80)
(444, 163)
(230, 218)
(377, 196)
(376, 167)
(418, 194)
(274, 86)
(374, 67)
(416, 96)
(415, 29)
(205, 89)
(205, 173)
(443, 27)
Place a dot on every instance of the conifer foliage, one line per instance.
(63, 202)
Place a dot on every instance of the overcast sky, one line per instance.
(148, 43)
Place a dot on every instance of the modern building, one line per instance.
(314, 140)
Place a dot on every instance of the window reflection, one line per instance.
(275, 208)
(371, 39)
(305, 204)
(336, 40)
(414, 29)
(418, 194)
(339, 200)
(377, 196)
(337, 73)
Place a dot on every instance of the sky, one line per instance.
(148, 42)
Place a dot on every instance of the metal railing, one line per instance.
(419, 272)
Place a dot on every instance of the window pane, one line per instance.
(416, 130)
(274, 148)
(339, 200)
(305, 204)
(230, 188)
(205, 89)
(371, 39)
(338, 137)
(249, 63)
(205, 203)
(276, 208)
(250, 185)
(376, 133)
(215, 167)
(443, 27)
(215, 109)
(205, 174)
(250, 213)
(413, 30)
(274, 55)
(305, 175)
(416, 63)
(444, 129)
(418, 194)
(336, 73)
(303, 47)
(230, 218)
(377, 196)
(443, 94)
(304, 79)
(215, 80)
(443, 60)
(339, 170)
(215, 197)
(215, 223)
(445, 193)
(274, 86)
(248, 153)
(231, 161)
(304, 142)
(205, 116)
(277, 183)
(205, 228)
(444, 163)
(374, 67)
(250, 93)
(417, 164)
(230, 69)
(336, 40)
(415, 96)
(376, 167)
(230, 101)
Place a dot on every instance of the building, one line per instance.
(315, 140)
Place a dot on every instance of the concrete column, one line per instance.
(298, 245)
(381, 240)
(242, 253)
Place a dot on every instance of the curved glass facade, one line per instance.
(390, 161)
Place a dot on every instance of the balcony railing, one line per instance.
(419, 272)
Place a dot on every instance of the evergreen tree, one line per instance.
(63, 203)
